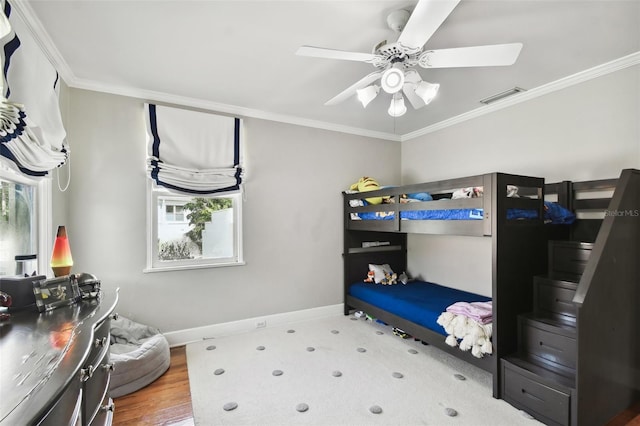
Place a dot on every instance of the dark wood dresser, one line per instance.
(54, 366)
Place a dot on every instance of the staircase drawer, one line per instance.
(543, 402)
(568, 258)
(555, 299)
(550, 346)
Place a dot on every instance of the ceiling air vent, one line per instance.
(502, 95)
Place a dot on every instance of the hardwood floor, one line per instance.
(167, 401)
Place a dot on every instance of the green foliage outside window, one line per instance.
(200, 210)
(174, 250)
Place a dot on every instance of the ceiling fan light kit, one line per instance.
(397, 107)
(427, 91)
(396, 61)
(367, 94)
(392, 80)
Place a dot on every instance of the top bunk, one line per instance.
(474, 206)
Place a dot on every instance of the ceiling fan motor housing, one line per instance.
(398, 19)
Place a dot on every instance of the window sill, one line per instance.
(188, 267)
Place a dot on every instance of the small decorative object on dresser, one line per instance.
(55, 292)
(61, 260)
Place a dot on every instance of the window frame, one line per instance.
(43, 212)
(154, 192)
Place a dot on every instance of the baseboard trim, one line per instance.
(183, 337)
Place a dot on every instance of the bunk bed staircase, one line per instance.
(578, 360)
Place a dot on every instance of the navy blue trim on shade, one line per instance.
(236, 142)
(5, 152)
(154, 131)
(235, 187)
(9, 50)
(155, 150)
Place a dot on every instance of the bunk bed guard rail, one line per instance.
(475, 216)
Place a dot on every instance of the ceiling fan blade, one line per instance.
(475, 56)
(412, 78)
(409, 93)
(321, 52)
(425, 19)
(349, 91)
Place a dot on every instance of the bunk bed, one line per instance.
(597, 324)
(515, 226)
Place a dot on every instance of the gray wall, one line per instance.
(587, 131)
(292, 216)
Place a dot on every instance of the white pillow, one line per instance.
(379, 272)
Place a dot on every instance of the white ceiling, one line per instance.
(239, 57)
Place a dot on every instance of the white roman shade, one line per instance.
(32, 136)
(193, 152)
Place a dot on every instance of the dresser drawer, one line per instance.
(66, 410)
(555, 347)
(101, 336)
(542, 401)
(104, 416)
(96, 375)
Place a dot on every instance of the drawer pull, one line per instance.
(109, 407)
(530, 395)
(86, 373)
(108, 367)
(551, 347)
(100, 342)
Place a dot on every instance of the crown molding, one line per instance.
(57, 60)
(153, 96)
(571, 80)
(50, 50)
(41, 37)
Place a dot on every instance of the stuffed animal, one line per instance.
(366, 183)
(390, 278)
(471, 192)
(370, 277)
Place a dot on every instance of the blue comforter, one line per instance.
(554, 213)
(418, 301)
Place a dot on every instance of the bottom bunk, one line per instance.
(415, 308)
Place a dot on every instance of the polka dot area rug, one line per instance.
(335, 371)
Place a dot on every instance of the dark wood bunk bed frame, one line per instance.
(601, 310)
(518, 252)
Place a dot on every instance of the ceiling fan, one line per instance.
(395, 62)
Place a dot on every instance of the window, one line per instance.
(174, 212)
(194, 231)
(24, 221)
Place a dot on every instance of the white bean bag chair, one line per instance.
(139, 354)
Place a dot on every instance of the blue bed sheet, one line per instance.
(554, 214)
(418, 301)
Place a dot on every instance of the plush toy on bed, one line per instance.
(366, 183)
(471, 192)
(370, 277)
(390, 278)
